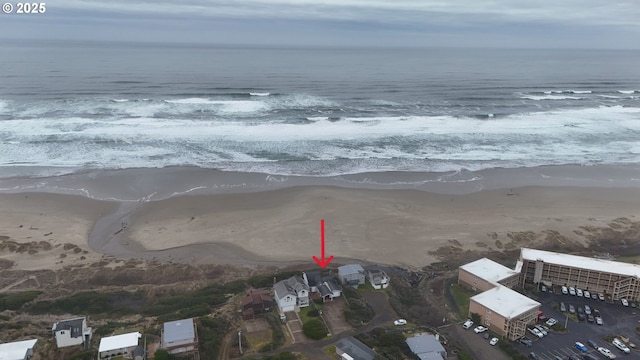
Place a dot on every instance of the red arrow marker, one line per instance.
(324, 262)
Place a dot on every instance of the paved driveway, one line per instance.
(333, 314)
(295, 327)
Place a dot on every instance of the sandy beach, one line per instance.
(281, 227)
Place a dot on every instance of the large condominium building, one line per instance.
(616, 279)
(504, 311)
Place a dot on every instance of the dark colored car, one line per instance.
(592, 344)
(526, 341)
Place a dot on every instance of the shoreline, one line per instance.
(201, 216)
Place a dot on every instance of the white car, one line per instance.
(552, 322)
(535, 332)
(606, 352)
(579, 293)
(480, 329)
(601, 296)
(624, 302)
(572, 291)
(565, 290)
(587, 294)
(400, 322)
(493, 341)
(542, 330)
(467, 324)
(620, 345)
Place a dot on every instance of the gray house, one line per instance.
(351, 275)
(427, 347)
(291, 293)
(352, 349)
(180, 336)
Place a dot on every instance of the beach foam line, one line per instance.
(259, 94)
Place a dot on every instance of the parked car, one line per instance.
(580, 346)
(400, 322)
(526, 341)
(581, 316)
(542, 330)
(565, 290)
(599, 320)
(572, 291)
(594, 296)
(551, 322)
(620, 345)
(587, 294)
(587, 309)
(543, 288)
(573, 357)
(579, 293)
(624, 302)
(480, 329)
(486, 336)
(601, 296)
(533, 356)
(590, 318)
(606, 352)
(493, 341)
(467, 324)
(563, 307)
(580, 310)
(589, 357)
(572, 309)
(592, 344)
(535, 332)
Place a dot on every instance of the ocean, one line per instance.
(72, 107)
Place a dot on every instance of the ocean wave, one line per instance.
(259, 94)
(550, 97)
(628, 91)
(548, 92)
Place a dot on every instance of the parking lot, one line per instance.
(618, 321)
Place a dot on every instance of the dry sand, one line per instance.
(391, 227)
(399, 227)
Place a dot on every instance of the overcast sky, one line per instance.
(481, 23)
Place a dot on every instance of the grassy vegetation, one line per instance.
(461, 297)
(358, 312)
(511, 351)
(16, 300)
(277, 335)
(462, 355)
(88, 302)
(211, 331)
(261, 281)
(308, 313)
(110, 327)
(389, 343)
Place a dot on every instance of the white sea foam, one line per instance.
(317, 118)
(259, 94)
(626, 91)
(120, 100)
(227, 106)
(550, 97)
(579, 91)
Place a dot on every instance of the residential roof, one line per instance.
(505, 302)
(424, 343)
(73, 325)
(582, 262)
(356, 349)
(119, 341)
(350, 269)
(290, 286)
(178, 330)
(16, 350)
(488, 270)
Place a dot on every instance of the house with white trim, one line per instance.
(72, 332)
(291, 293)
(125, 345)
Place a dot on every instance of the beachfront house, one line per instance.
(322, 285)
(256, 303)
(180, 337)
(427, 347)
(291, 293)
(19, 350)
(125, 345)
(378, 279)
(351, 275)
(72, 332)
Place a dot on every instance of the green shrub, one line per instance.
(314, 329)
(313, 313)
(15, 301)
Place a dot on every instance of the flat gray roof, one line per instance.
(424, 343)
(178, 330)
